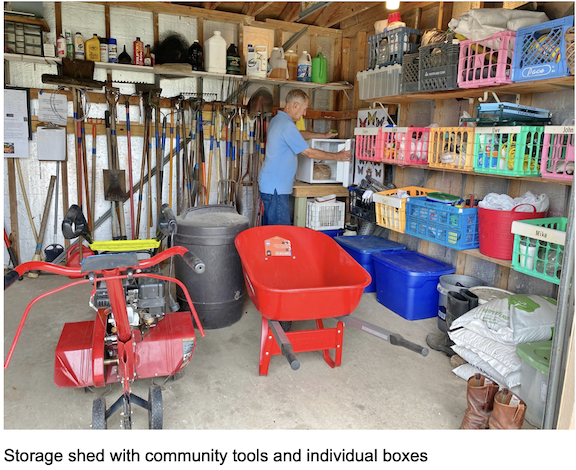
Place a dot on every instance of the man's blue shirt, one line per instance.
(283, 144)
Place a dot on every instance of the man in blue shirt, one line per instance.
(283, 144)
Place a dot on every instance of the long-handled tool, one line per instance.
(25, 197)
(93, 192)
(119, 174)
(10, 250)
(171, 157)
(107, 174)
(145, 148)
(38, 253)
(129, 142)
(211, 151)
(51, 252)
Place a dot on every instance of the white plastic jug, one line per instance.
(305, 68)
(215, 53)
(256, 61)
(276, 55)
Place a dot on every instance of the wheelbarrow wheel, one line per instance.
(99, 413)
(155, 407)
(286, 325)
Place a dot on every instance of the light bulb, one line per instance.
(393, 5)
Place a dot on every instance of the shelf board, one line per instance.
(536, 86)
(28, 20)
(476, 254)
(31, 59)
(474, 173)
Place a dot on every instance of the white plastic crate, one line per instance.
(340, 172)
(325, 215)
(382, 81)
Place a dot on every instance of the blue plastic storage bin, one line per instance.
(332, 233)
(443, 224)
(406, 283)
(361, 248)
(540, 51)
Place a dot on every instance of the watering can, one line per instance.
(319, 69)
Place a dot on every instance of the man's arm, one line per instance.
(307, 135)
(316, 154)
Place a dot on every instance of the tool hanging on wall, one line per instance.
(113, 103)
(25, 197)
(38, 253)
(93, 193)
(210, 153)
(130, 179)
(145, 150)
(171, 172)
(51, 252)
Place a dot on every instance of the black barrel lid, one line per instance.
(213, 224)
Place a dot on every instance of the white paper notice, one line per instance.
(52, 107)
(15, 123)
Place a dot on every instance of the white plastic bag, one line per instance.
(512, 320)
(465, 371)
(503, 202)
(510, 380)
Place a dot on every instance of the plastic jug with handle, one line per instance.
(304, 66)
(319, 69)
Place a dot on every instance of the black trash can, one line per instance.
(218, 293)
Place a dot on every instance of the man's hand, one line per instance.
(331, 134)
(343, 156)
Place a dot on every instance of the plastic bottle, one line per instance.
(305, 67)
(93, 48)
(196, 56)
(138, 52)
(292, 63)
(79, 53)
(215, 53)
(148, 57)
(112, 51)
(69, 45)
(232, 60)
(61, 46)
(104, 49)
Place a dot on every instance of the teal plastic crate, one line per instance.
(443, 224)
(539, 247)
(508, 151)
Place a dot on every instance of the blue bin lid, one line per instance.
(369, 244)
(412, 263)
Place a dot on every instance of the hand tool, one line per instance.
(38, 253)
(129, 142)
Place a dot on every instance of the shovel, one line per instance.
(51, 252)
(261, 102)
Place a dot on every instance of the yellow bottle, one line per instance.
(93, 49)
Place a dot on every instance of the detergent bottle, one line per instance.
(215, 54)
(319, 69)
(304, 67)
(292, 63)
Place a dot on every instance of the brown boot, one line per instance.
(480, 395)
(509, 411)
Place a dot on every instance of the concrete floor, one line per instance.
(377, 387)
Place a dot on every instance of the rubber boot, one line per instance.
(480, 395)
(508, 412)
(472, 298)
(456, 307)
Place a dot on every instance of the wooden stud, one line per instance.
(13, 198)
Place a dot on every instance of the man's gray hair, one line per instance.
(296, 95)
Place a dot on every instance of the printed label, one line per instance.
(277, 246)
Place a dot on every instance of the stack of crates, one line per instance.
(451, 148)
(540, 51)
(391, 210)
(439, 67)
(387, 51)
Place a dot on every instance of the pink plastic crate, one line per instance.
(558, 153)
(486, 62)
(366, 144)
(389, 142)
(414, 148)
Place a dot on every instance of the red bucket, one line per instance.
(495, 229)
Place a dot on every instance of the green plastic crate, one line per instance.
(496, 150)
(539, 247)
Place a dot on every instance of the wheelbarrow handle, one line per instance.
(284, 343)
(10, 278)
(398, 340)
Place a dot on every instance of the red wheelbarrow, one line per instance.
(295, 273)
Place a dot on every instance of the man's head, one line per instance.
(296, 104)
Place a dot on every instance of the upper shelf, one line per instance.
(28, 20)
(537, 86)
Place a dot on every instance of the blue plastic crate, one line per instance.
(406, 282)
(540, 51)
(361, 248)
(443, 224)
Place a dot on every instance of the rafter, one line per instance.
(346, 11)
(290, 12)
(211, 5)
(327, 12)
(257, 8)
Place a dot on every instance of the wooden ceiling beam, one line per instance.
(326, 13)
(211, 5)
(290, 12)
(346, 11)
(257, 8)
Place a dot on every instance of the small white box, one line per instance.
(341, 172)
(325, 215)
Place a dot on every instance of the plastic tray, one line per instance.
(495, 150)
(539, 247)
(443, 224)
(391, 211)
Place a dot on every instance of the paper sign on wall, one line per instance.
(277, 246)
(16, 125)
(52, 107)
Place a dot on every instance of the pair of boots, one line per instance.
(458, 304)
(490, 408)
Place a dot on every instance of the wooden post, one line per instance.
(12, 193)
